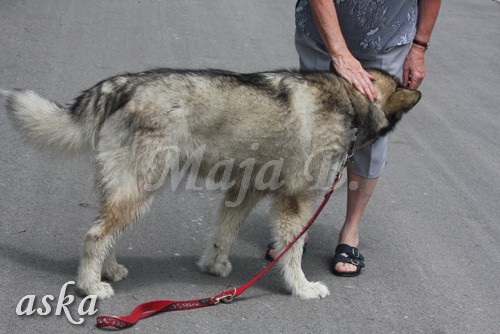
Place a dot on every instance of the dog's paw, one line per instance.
(311, 290)
(115, 273)
(102, 290)
(215, 267)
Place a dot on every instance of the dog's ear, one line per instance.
(401, 101)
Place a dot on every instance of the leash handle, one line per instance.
(149, 309)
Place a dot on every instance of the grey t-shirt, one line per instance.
(368, 26)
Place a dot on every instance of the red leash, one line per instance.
(151, 308)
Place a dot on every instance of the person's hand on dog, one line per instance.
(350, 69)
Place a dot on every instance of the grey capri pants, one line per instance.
(370, 160)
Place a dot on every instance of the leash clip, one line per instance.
(226, 298)
(345, 160)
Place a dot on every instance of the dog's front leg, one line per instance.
(292, 215)
(229, 221)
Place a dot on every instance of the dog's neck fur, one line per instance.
(367, 116)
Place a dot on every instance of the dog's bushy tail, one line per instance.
(44, 123)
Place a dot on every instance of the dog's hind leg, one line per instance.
(229, 222)
(111, 269)
(123, 200)
(292, 215)
(119, 210)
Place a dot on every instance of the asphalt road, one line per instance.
(431, 234)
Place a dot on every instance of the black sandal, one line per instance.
(353, 257)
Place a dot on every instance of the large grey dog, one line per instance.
(142, 125)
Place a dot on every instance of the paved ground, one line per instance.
(431, 234)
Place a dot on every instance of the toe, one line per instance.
(342, 267)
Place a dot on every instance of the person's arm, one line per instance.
(348, 67)
(414, 67)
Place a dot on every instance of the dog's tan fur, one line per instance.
(296, 119)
